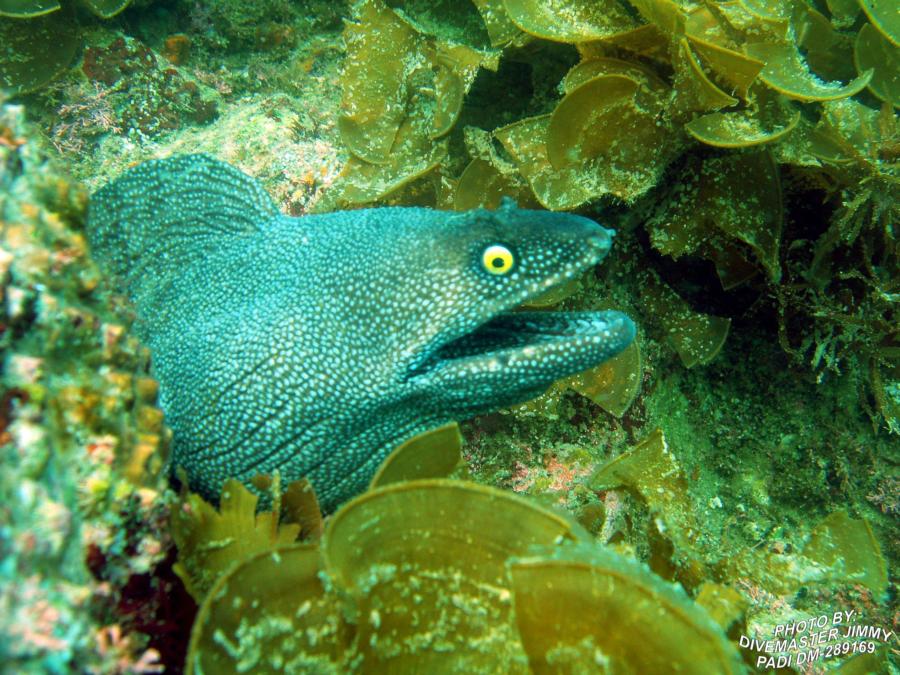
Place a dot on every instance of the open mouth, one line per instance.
(538, 334)
(559, 343)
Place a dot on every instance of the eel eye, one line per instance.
(497, 259)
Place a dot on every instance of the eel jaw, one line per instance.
(514, 356)
(537, 335)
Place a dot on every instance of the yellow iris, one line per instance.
(497, 259)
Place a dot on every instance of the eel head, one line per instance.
(484, 354)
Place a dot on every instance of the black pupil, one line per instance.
(497, 262)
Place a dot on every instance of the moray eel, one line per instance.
(314, 345)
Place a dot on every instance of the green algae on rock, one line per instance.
(82, 446)
(840, 550)
(232, 26)
(138, 94)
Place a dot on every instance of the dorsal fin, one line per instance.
(165, 214)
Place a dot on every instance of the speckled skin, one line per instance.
(315, 345)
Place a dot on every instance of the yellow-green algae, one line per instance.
(600, 142)
(39, 39)
(438, 574)
(27, 8)
(882, 16)
(559, 602)
(695, 336)
(434, 454)
(36, 49)
(210, 540)
(569, 20)
(403, 91)
(651, 90)
(446, 575)
(613, 385)
(270, 615)
(872, 51)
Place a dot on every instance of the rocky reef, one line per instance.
(83, 443)
(733, 471)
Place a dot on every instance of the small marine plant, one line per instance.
(40, 38)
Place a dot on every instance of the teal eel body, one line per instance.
(315, 345)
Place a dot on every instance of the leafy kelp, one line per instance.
(35, 48)
(39, 39)
(436, 573)
(476, 596)
(714, 121)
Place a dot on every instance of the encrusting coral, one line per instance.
(83, 443)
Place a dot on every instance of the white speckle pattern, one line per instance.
(315, 345)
